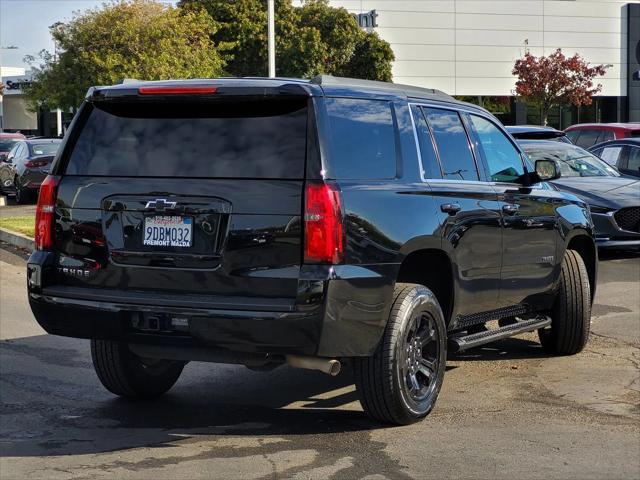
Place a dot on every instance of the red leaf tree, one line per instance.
(547, 82)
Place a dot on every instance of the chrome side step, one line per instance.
(465, 342)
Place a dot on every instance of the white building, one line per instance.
(468, 47)
(14, 115)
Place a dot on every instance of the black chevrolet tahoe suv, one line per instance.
(312, 223)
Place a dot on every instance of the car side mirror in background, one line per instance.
(547, 170)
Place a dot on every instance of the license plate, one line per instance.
(168, 231)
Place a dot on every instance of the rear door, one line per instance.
(185, 202)
(469, 208)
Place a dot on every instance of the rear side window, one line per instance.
(453, 144)
(239, 140)
(362, 139)
(605, 136)
(610, 155)
(587, 138)
(633, 159)
(573, 136)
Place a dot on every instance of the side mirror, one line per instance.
(547, 170)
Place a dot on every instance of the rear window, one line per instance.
(264, 139)
(362, 138)
(45, 148)
(635, 133)
(587, 138)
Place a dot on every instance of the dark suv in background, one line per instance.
(308, 223)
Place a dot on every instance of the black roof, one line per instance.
(39, 141)
(534, 131)
(620, 141)
(328, 81)
(319, 85)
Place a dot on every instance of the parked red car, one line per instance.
(8, 141)
(586, 135)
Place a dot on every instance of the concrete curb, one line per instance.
(16, 239)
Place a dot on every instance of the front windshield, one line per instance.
(574, 161)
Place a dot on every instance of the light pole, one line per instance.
(272, 37)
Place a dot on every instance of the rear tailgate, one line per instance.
(184, 203)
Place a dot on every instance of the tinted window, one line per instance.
(573, 135)
(606, 135)
(20, 152)
(14, 152)
(425, 142)
(453, 145)
(634, 133)
(252, 139)
(362, 137)
(610, 155)
(587, 138)
(44, 148)
(503, 160)
(7, 144)
(633, 159)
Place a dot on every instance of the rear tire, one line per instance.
(400, 382)
(571, 314)
(22, 196)
(127, 375)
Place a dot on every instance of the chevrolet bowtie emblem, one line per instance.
(160, 204)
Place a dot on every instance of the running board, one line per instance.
(465, 342)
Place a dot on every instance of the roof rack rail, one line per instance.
(409, 90)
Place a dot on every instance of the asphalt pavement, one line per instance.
(506, 411)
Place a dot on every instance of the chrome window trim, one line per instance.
(457, 109)
(416, 141)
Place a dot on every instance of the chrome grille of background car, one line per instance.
(628, 219)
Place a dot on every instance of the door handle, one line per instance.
(450, 208)
(510, 208)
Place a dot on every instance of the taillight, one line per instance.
(45, 213)
(323, 229)
(178, 90)
(36, 163)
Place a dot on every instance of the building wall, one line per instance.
(468, 47)
(16, 116)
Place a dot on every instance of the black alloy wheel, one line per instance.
(419, 358)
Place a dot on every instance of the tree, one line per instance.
(556, 80)
(140, 39)
(311, 39)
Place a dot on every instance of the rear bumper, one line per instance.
(339, 312)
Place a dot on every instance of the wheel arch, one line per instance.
(583, 243)
(432, 268)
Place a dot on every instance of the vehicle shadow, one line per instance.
(51, 402)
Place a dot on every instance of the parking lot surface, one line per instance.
(506, 410)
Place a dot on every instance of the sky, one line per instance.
(25, 24)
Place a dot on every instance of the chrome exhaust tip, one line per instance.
(330, 366)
